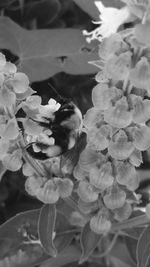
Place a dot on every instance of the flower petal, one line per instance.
(99, 224)
(118, 116)
(87, 192)
(120, 148)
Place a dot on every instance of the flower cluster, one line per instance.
(14, 87)
(117, 126)
(45, 181)
(48, 188)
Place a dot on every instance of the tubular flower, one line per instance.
(102, 178)
(103, 96)
(119, 116)
(87, 192)
(97, 140)
(110, 20)
(141, 110)
(126, 175)
(123, 213)
(48, 191)
(120, 148)
(115, 198)
(117, 67)
(13, 85)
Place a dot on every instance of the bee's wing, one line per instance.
(71, 157)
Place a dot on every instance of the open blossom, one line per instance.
(126, 174)
(119, 116)
(13, 85)
(120, 147)
(9, 128)
(110, 20)
(115, 198)
(140, 75)
(13, 160)
(102, 177)
(87, 192)
(49, 109)
(48, 191)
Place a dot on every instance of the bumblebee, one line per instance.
(61, 129)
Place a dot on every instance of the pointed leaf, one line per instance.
(52, 50)
(89, 241)
(14, 227)
(67, 256)
(64, 232)
(46, 225)
(143, 249)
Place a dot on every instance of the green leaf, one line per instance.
(19, 244)
(68, 255)
(43, 53)
(89, 241)
(17, 225)
(64, 232)
(50, 10)
(119, 255)
(131, 245)
(143, 249)
(19, 241)
(46, 225)
(134, 232)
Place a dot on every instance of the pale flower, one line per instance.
(110, 20)
(49, 109)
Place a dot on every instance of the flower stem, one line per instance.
(133, 222)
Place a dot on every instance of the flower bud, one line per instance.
(92, 118)
(100, 224)
(115, 199)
